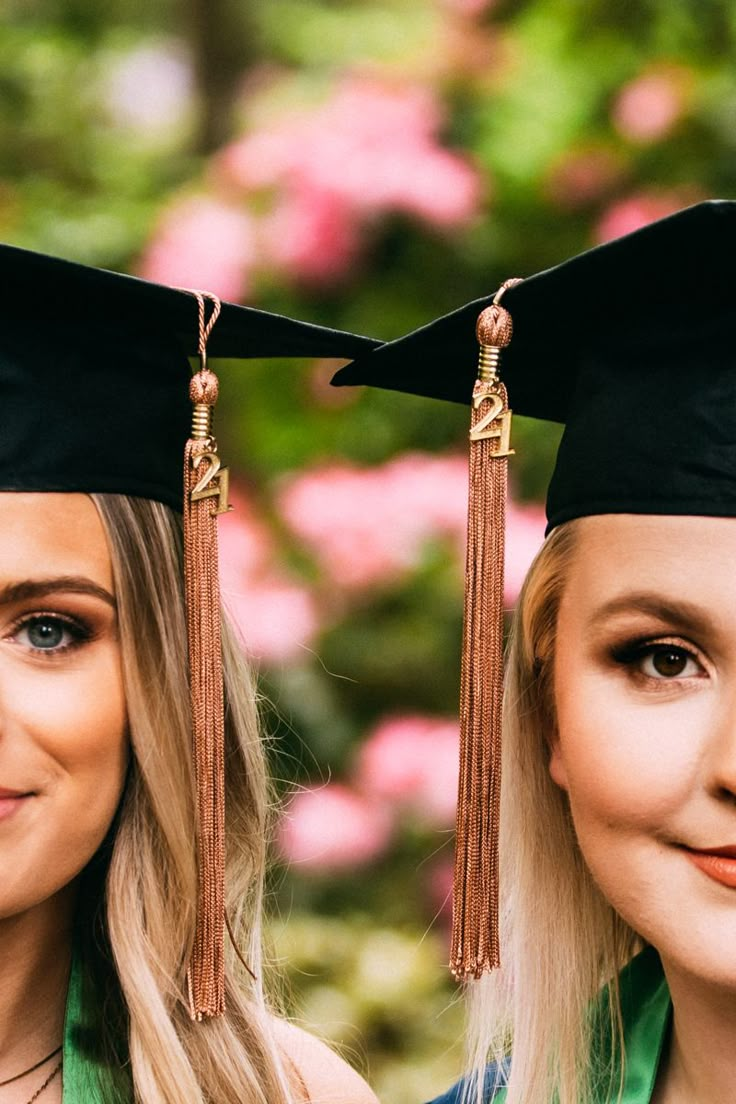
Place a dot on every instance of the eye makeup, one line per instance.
(659, 659)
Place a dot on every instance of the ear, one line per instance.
(557, 768)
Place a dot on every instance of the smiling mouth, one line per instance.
(719, 863)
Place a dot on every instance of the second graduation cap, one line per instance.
(631, 346)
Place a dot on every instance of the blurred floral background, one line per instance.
(366, 164)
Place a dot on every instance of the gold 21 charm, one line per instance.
(495, 423)
(214, 483)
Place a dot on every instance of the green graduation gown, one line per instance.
(646, 1009)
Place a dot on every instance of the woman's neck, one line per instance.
(701, 1065)
(35, 958)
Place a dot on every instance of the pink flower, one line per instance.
(370, 149)
(412, 761)
(331, 828)
(311, 235)
(438, 884)
(202, 243)
(525, 527)
(433, 185)
(469, 8)
(275, 617)
(627, 215)
(648, 108)
(245, 544)
(368, 525)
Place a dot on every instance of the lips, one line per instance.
(12, 801)
(719, 863)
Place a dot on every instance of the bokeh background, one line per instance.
(366, 164)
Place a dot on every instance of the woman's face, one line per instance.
(63, 743)
(645, 690)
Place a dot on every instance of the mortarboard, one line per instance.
(94, 374)
(98, 396)
(631, 346)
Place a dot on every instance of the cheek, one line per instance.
(625, 761)
(70, 735)
(79, 722)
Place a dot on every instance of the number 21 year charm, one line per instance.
(213, 483)
(495, 422)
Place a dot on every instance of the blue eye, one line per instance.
(47, 633)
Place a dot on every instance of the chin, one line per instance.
(699, 944)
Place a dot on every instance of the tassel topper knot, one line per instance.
(494, 326)
(204, 388)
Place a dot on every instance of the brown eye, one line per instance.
(670, 663)
(666, 661)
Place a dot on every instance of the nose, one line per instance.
(720, 759)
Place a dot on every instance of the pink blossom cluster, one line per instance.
(471, 9)
(649, 107)
(326, 174)
(369, 526)
(637, 210)
(203, 243)
(366, 526)
(276, 617)
(407, 766)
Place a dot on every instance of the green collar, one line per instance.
(646, 1011)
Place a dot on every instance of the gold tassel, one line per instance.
(205, 496)
(475, 937)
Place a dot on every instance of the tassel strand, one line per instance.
(205, 496)
(475, 937)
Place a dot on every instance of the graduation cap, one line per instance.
(631, 346)
(94, 374)
(98, 396)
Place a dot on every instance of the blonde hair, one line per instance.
(142, 922)
(560, 939)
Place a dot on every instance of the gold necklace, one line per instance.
(31, 1069)
(47, 1082)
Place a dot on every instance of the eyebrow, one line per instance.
(679, 612)
(40, 588)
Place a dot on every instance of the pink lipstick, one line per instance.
(719, 863)
(11, 801)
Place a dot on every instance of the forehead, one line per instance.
(690, 557)
(44, 534)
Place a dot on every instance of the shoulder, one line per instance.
(326, 1078)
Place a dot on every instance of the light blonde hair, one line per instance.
(140, 911)
(561, 941)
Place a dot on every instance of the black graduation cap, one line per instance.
(97, 395)
(631, 345)
(94, 374)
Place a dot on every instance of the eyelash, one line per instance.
(633, 654)
(79, 632)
